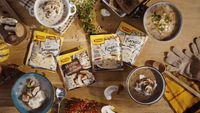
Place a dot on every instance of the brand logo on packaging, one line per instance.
(98, 41)
(40, 38)
(65, 60)
(127, 30)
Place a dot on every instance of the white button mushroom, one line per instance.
(105, 12)
(109, 90)
(107, 109)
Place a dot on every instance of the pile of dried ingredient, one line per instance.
(75, 105)
(86, 13)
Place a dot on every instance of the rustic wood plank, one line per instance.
(153, 50)
(6, 7)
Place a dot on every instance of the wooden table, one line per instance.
(153, 50)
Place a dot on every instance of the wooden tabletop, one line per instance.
(75, 37)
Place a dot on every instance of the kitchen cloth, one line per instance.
(181, 100)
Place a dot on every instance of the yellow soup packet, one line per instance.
(43, 50)
(75, 68)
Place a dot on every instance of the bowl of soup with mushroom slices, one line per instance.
(33, 93)
(162, 21)
(145, 85)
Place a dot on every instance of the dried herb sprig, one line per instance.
(86, 14)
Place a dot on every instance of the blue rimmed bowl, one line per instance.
(45, 85)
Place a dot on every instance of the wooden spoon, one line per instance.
(159, 66)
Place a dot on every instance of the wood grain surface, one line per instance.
(75, 37)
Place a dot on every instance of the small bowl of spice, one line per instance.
(146, 85)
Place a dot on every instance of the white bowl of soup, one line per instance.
(53, 13)
(162, 21)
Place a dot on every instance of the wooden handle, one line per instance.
(191, 90)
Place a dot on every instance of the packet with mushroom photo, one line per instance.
(106, 52)
(43, 50)
(76, 69)
(132, 41)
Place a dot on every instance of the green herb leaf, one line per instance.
(85, 10)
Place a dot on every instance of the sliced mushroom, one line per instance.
(29, 94)
(79, 80)
(107, 109)
(86, 74)
(9, 28)
(35, 90)
(148, 90)
(25, 98)
(9, 21)
(145, 85)
(84, 78)
(109, 90)
(37, 101)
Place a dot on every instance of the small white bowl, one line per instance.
(69, 10)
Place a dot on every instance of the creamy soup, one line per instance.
(51, 12)
(160, 21)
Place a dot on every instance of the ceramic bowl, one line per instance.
(178, 24)
(45, 85)
(68, 10)
(151, 73)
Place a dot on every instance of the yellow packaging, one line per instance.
(128, 29)
(42, 36)
(132, 41)
(43, 50)
(106, 52)
(75, 68)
